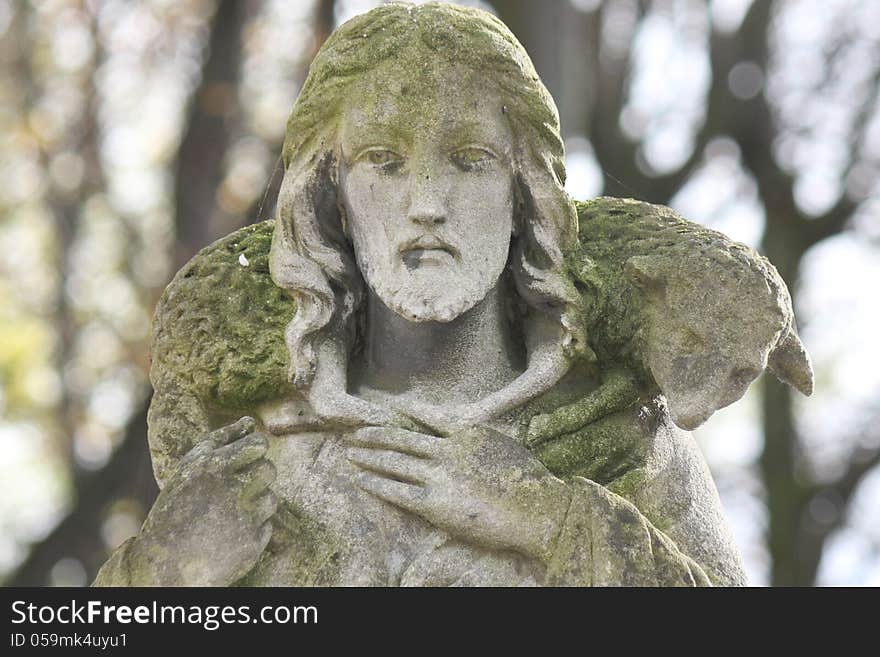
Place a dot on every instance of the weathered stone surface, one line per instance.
(442, 382)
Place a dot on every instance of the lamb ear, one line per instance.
(645, 271)
(790, 363)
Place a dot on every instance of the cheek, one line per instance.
(485, 217)
(483, 207)
(371, 202)
(681, 372)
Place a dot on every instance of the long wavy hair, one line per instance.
(312, 257)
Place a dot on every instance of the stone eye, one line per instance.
(383, 157)
(471, 156)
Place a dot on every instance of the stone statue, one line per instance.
(433, 368)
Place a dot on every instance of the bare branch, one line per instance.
(214, 109)
(835, 220)
(864, 461)
(831, 223)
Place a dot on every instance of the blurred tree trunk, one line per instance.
(129, 474)
(213, 117)
(264, 205)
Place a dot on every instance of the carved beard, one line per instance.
(425, 293)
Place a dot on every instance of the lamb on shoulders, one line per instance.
(674, 308)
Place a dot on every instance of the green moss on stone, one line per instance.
(601, 451)
(220, 324)
(411, 49)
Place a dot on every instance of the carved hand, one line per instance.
(211, 522)
(478, 485)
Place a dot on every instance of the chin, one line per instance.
(690, 422)
(689, 412)
(435, 295)
(418, 309)
(442, 302)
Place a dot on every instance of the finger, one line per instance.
(232, 432)
(398, 493)
(265, 506)
(394, 464)
(243, 452)
(399, 440)
(257, 478)
(201, 449)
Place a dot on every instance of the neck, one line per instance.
(439, 362)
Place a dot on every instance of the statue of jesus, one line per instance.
(421, 310)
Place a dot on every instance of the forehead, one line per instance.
(729, 309)
(423, 98)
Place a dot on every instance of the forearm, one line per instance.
(676, 493)
(606, 541)
(658, 468)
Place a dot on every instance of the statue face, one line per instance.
(427, 187)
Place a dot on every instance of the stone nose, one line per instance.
(427, 203)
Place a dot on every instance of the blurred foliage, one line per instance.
(134, 133)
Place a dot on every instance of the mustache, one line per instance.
(429, 242)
